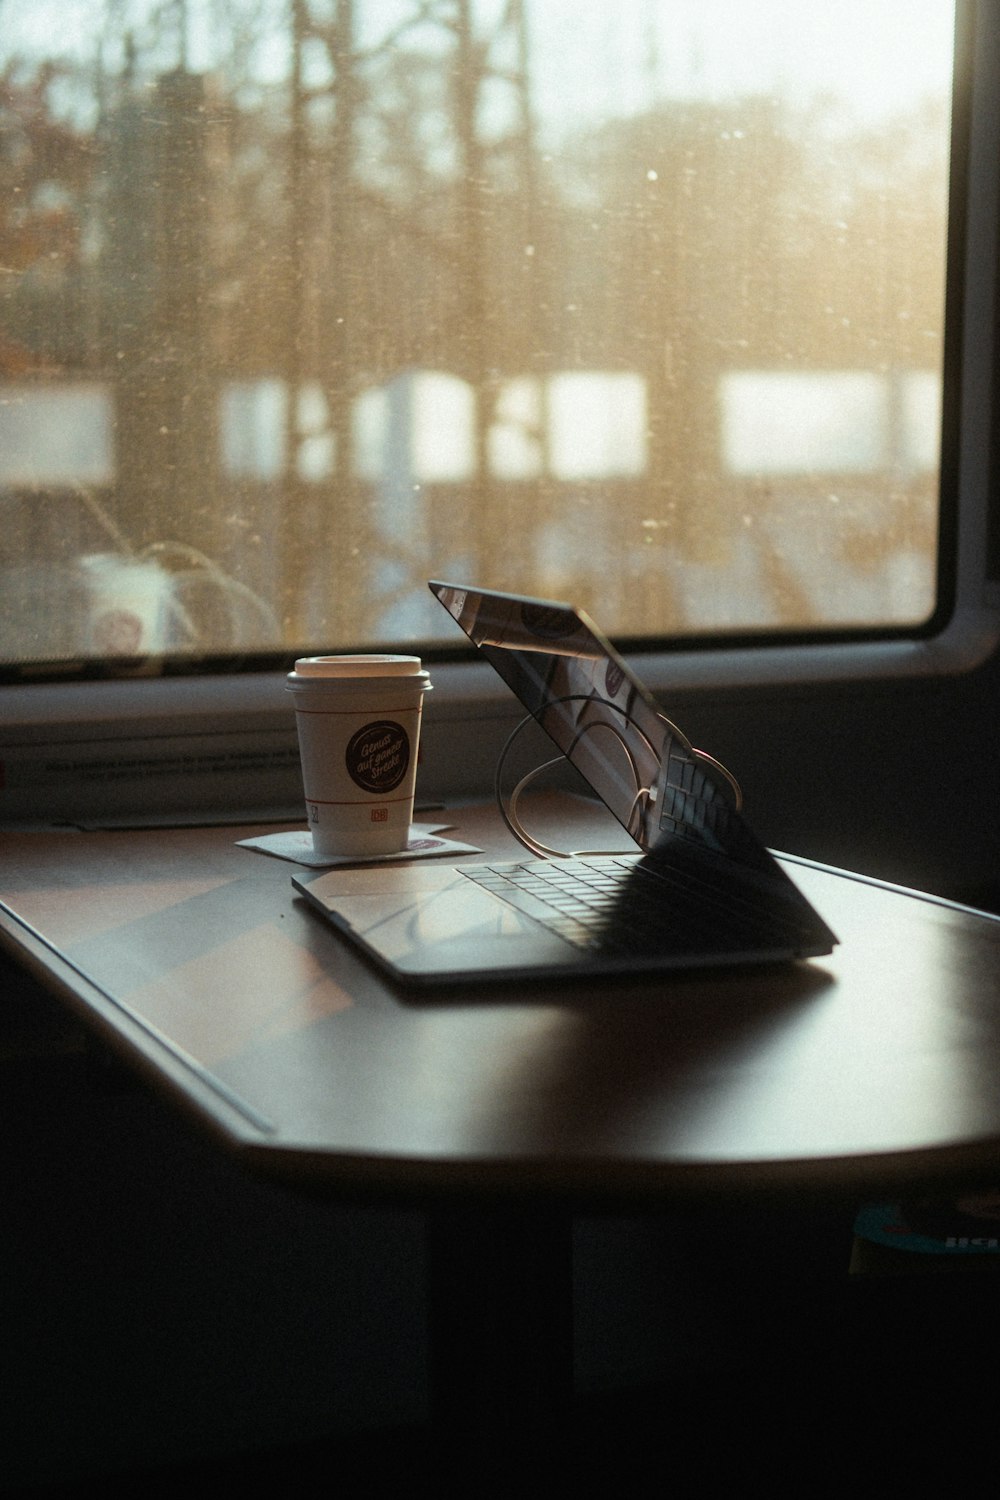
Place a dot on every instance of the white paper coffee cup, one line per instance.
(358, 720)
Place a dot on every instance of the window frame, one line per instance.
(81, 719)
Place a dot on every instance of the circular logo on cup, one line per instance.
(378, 755)
(118, 632)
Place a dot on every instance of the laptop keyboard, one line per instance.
(610, 904)
(583, 900)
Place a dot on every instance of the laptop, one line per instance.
(699, 890)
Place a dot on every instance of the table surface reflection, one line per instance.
(195, 958)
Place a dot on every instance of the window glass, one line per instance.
(305, 301)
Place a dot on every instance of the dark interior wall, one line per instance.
(896, 779)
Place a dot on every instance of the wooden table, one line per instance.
(505, 1111)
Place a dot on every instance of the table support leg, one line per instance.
(501, 1331)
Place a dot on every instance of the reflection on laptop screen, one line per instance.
(584, 695)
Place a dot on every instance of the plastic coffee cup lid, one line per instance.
(357, 666)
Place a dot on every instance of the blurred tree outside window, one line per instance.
(305, 301)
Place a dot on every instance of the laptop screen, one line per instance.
(584, 695)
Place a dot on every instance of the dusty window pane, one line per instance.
(305, 301)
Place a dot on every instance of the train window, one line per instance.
(642, 305)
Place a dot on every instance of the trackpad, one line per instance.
(457, 929)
